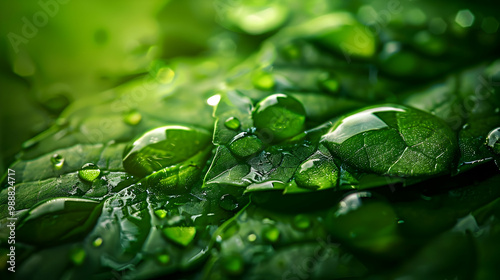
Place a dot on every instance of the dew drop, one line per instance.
(89, 172)
(232, 123)
(245, 145)
(57, 161)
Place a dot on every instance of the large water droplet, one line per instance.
(492, 140)
(89, 172)
(245, 145)
(317, 172)
(228, 202)
(279, 115)
(180, 235)
(232, 123)
(57, 161)
(393, 140)
(163, 147)
(132, 118)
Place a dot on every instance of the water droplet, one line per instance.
(271, 234)
(232, 123)
(97, 242)
(256, 18)
(245, 145)
(492, 140)
(160, 213)
(317, 172)
(252, 237)
(57, 161)
(228, 202)
(89, 172)
(77, 256)
(163, 147)
(263, 80)
(132, 118)
(301, 222)
(180, 235)
(163, 259)
(464, 18)
(281, 115)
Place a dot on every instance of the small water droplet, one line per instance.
(252, 237)
(77, 256)
(271, 234)
(228, 202)
(301, 222)
(160, 213)
(180, 235)
(232, 123)
(245, 145)
(97, 242)
(163, 259)
(492, 140)
(279, 115)
(57, 161)
(89, 172)
(132, 118)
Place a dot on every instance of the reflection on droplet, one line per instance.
(244, 145)
(213, 100)
(57, 161)
(89, 172)
(132, 118)
(492, 140)
(232, 123)
(464, 18)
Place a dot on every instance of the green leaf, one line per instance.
(393, 140)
